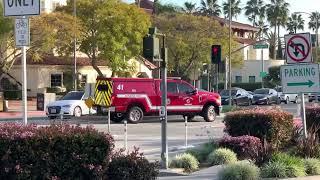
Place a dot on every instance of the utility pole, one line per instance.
(75, 45)
(229, 69)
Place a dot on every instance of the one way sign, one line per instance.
(298, 48)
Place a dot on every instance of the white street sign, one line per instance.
(298, 48)
(300, 78)
(22, 33)
(21, 7)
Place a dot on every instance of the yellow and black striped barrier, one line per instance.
(103, 92)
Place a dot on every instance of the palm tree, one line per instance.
(263, 29)
(235, 8)
(295, 22)
(255, 9)
(277, 14)
(210, 8)
(313, 19)
(189, 7)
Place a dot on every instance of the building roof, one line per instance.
(236, 25)
(64, 61)
(246, 41)
(81, 61)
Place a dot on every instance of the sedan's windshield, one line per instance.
(261, 91)
(226, 92)
(73, 96)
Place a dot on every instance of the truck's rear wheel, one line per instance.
(135, 115)
(117, 117)
(209, 113)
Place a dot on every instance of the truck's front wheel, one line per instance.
(135, 114)
(209, 113)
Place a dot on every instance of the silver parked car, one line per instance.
(286, 98)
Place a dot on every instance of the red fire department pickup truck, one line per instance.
(134, 98)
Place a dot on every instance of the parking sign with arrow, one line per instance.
(298, 48)
(300, 78)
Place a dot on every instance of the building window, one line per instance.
(252, 79)
(238, 79)
(56, 80)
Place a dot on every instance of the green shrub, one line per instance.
(274, 125)
(186, 161)
(312, 166)
(132, 166)
(294, 165)
(240, 171)
(54, 152)
(274, 170)
(222, 156)
(202, 153)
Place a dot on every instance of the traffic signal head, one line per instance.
(216, 54)
(151, 47)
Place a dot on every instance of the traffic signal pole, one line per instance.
(164, 119)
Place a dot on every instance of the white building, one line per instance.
(48, 6)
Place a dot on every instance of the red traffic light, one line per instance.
(216, 54)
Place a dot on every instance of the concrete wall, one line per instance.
(253, 68)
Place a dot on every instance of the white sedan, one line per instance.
(72, 104)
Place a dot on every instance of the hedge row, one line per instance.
(274, 125)
(65, 152)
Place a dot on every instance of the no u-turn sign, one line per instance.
(298, 48)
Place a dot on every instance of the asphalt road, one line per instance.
(147, 135)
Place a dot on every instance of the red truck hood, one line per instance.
(210, 95)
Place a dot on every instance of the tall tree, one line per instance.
(210, 8)
(49, 33)
(113, 29)
(263, 29)
(189, 39)
(277, 14)
(315, 16)
(255, 10)
(295, 22)
(166, 8)
(235, 9)
(189, 7)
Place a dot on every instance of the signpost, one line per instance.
(21, 7)
(262, 73)
(22, 32)
(22, 36)
(302, 76)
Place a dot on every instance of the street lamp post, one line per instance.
(229, 69)
(75, 47)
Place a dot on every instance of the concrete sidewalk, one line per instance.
(210, 173)
(15, 110)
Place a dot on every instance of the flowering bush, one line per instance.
(273, 125)
(54, 152)
(246, 147)
(313, 116)
(131, 166)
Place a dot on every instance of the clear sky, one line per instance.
(295, 5)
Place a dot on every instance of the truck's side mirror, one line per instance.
(193, 92)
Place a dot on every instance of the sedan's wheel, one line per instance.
(209, 113)
(287, 100)
(135, 115)
(117, 117)
(267, 102)
(77, 112)
(235, 102)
